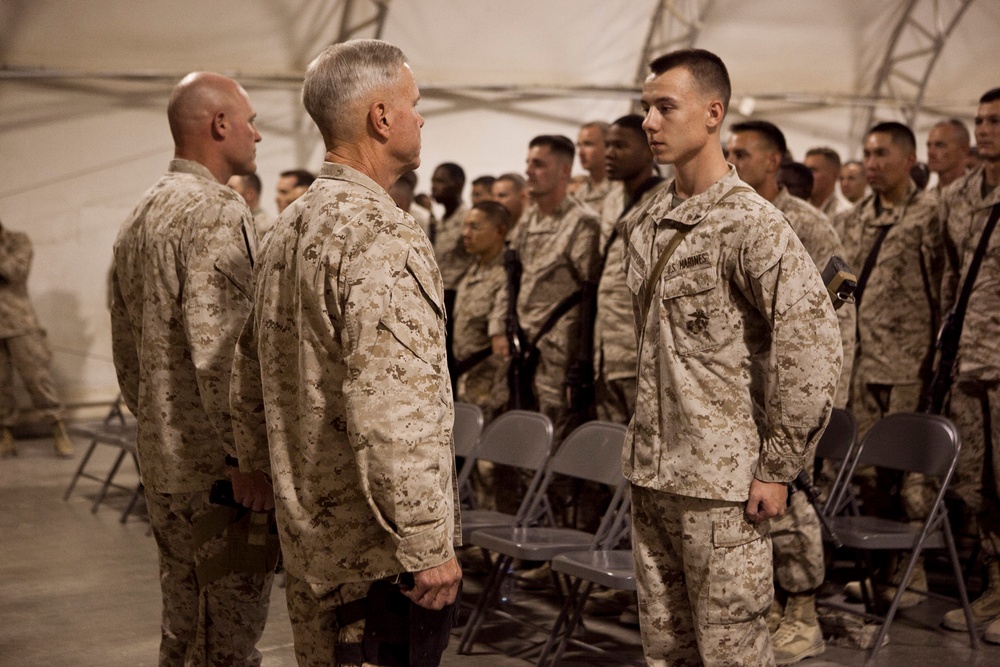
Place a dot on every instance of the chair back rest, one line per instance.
(468, 426)
(517, 438)
(912, 442)
(592, 452)
(839, 438)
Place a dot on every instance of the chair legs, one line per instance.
(131, 503)
(491, 589)
(79, 470)
(108, 481)
(963, 594)
(904, 584)
(566, 622)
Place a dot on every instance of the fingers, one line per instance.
(258, 501)
(436, 587)
(253, 490)
(759, 509)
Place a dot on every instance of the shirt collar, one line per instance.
(694, 210)
(181, 166)
(341, 172)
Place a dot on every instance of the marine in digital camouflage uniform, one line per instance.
(23, 347)
(478, 302)
(340, 386)
(634, 182)
(756, 148)
(898, 309)
(797, 538)
(182, 286)
(738, 365)
(591, 146)
(974, 403)
(897, 318)
(556, 241)
(446, 235)
(483, 379)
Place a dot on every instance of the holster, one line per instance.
(252, 545)
(398, 632)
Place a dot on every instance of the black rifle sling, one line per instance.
(646, 186)
(465, 365)
(958, 310)
(561, 309)
(866, 270)
(668, 251)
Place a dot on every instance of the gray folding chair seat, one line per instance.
(611, 568)
(909, 442)
(592, 453)
(520, 439)
(468, 427)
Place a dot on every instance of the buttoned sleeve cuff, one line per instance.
(428, 548)
(776, 465)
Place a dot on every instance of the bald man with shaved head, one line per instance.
(182, 284)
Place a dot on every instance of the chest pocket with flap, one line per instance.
(697, 310)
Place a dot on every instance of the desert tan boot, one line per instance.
(64, 445)
(799, 635)
(985, 610)
(7, 444)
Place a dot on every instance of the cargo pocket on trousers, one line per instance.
(741, 581)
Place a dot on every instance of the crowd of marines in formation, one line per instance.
(311, 362)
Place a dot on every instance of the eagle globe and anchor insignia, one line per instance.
(697, 322)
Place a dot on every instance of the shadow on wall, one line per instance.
(70, 343)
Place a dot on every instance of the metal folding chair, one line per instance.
(116, 430)
(592, 453)
(520, 439)
(909, 442)
(612, 567)
(468, 427)
(838, 444)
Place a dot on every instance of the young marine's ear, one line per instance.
(715, 113)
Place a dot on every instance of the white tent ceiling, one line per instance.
(83, 87)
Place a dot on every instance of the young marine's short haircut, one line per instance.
(303, 177)
(705, 67)
(899, 134)
(632, 121)
(495, 212)
(959, 128)
(826, 153)
(990, 96)
(797, 179)
(557, 143)
(773, 136)
(251, 181)
(514, 178)
(485, 181)
(456, 172)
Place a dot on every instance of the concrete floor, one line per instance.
(81, 590)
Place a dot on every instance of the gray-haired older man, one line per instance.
(344, 357)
